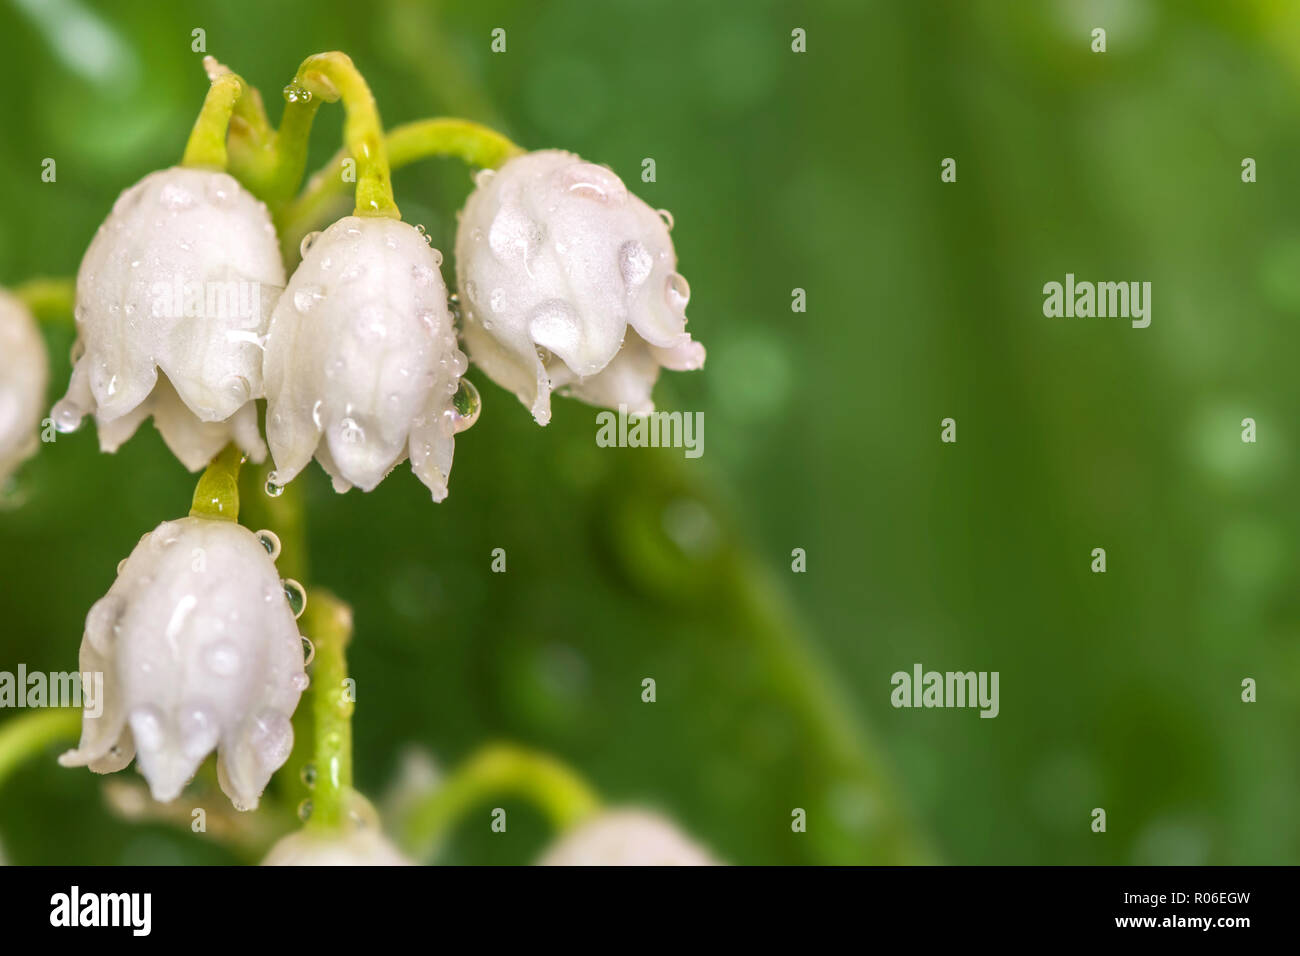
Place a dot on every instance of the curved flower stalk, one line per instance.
(362, 366)
(199, 650)
(173, 298)
(569, 283)
(24, 372)
(626, 838)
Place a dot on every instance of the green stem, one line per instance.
(330, 627)
(49, 299)
(500, 770)
(24, 737)
(207, 143)
(217, 493)
(333, 76)
(471, 142)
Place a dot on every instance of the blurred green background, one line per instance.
(783, 170)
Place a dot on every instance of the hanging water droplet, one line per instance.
(296, 595)
(307, 240)
(67, 416)
(304, 810)
(678, 291)
(305, 298)
(273, 488)
(465, 406)
(296, 93)
(271, 542)
(308, 651)
(308, 775)
(120, 565)
(483, 177)
(667, 217)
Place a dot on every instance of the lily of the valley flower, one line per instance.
(179, 280)
(24, 370)
(363, 846)
(626, 838)
(569, 283)
(362, 366)
(199, 650)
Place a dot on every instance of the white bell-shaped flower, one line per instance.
(362, 366)
(361, 846)
(199, 650)
(626, 837)
(24, 371)
(179, 280)
(569, 282)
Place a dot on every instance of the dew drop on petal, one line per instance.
(273, 488)
(678, 291)
(308, 651)
(308, 775)
(271, 542)
(307, 240)
(67, 416)
(667, 217)
(296, 595)
(305, 299)
(635, 262)
(465, 406)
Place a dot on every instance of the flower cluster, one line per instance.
(186, 314)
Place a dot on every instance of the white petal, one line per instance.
(24, 371)
(626, 838)
(361, 353)
(199, 650)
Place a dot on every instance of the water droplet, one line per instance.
(635, 262)
(300, 682)
(222, 659)
(304, 810)
(307, 297)
(237, 387)
(308, 651)
(351, 432)
(296, 93)
(271, 542)
(67, 416)
(678, 291)
(316, 412)
(77, 351)
(306, 243)
(483, 177)
(667, 217)
(308, 775)
(465, 406)
(273, 488)
(120, 565)
(296, 595)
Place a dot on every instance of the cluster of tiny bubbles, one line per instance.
(273, 488)
(304, 810)
(296, 93)
(296, 595)
(270, 541)
(465, 406)
(667, 217)
(308, 775)
(307, 240)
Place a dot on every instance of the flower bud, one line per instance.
(180, 279)
(555, 260)
(362, 366)
(626, 838)
(24, 370)
(199, 650)
(359, 848)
